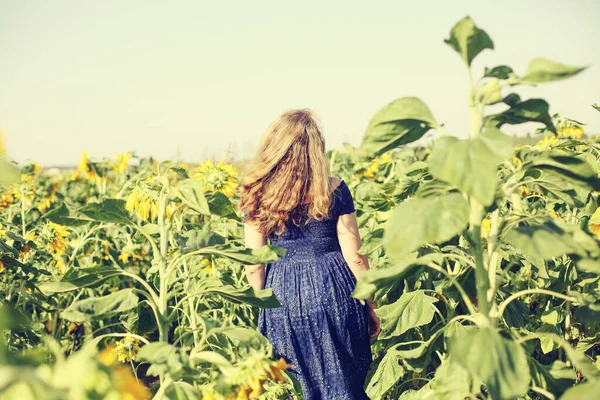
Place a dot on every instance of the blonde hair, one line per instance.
(290, 170)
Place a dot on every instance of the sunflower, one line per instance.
(121, 162)
(143, 200)
(547, 143)
(127, 348)
(594, 223)
(6, 199)
(57, 235)
(2, 268)
(575, 132)
(2, 231)
(208, 267)
(220, 177)
(25, 189)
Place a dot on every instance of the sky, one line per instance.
(188, 80)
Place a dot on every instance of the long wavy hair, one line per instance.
(289, 177)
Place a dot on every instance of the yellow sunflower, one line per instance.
(594, 223)
(143, 201)
(220, 177)
(25, 189)
(121, 162)
(575, 132)
(547, 143)
(127, 348)
(6, 199)
(57, 238)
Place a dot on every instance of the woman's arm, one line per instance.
(254, 273)
(349, 238)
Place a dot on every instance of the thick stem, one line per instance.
(481, 274)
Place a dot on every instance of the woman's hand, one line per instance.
(374, 324)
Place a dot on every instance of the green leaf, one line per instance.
(504, 369)
(582, 391)
(388, 372)
(182, 391)
(247, 295)
(198, 239)
(95, 308)
(191, 193)
(62, 215)
(210, 357)
(541, 70)
(453, 382)
(412, 309)
(420, 221)
(547, 240)
(376, 278)
(402, 121)
(571, 167)
(9, 174)
(109, 210)
(468, 40)
(556, 377)
(531, 110)
(471, 165)
(76, 278)
(220, 205)
(490, 92)
(500, 72)
(596, 106)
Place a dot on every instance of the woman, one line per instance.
(288, 197)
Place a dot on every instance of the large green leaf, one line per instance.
(109, 210)
(412, 309)
(556, 377)
(182, 391)
(95, 308)
(542, 70)
(532, 110)
(376, 278)
(468, 40)
(248, 295)
(191, 193)
(76, 278)
(62, 215)
(220, 205)
(573, 168)
(547, 240)
(402, 121)
(585, 390)
(499, 362)
(9, 174)
(420, 221)
(471, 165)
(499, 72)
(388, 372)
(453, 382)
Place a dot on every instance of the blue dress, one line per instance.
(320, 328)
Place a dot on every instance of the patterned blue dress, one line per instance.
(320, 328)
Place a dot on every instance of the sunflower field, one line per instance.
(124, 278)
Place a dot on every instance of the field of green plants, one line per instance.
(124, 279)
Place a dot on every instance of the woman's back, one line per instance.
(315, 238)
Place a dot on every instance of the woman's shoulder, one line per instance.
(335, 183)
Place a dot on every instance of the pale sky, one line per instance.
(190, 79)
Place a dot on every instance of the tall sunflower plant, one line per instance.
(487, 265)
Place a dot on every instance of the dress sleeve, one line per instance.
(346, 202)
